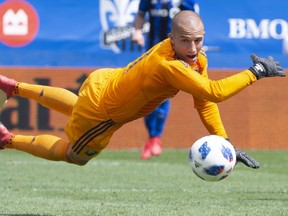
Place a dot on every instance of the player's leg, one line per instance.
(161, 117)
(150, 122)
(155, 123)
(86, 146)
(43, 146)
(58, 99)
(49, 147)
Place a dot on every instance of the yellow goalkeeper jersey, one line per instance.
(157, 75)
(125, 94)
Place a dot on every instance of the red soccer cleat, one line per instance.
(5, 136)
(146, 152)
(156, 146)
(153, 147)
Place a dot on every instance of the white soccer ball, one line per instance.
(212, 158)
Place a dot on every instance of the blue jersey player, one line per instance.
(159, 14)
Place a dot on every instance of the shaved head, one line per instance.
(187, 21)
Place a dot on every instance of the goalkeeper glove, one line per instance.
(246, 159)
(266, 67)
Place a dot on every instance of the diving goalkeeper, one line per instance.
(110, 98)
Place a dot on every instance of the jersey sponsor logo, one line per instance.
(164, 12)
(175, 3)
(117, 19)
(19, 23)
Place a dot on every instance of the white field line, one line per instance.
(91, 163)
(98, 190)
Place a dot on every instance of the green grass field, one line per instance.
(119, 183)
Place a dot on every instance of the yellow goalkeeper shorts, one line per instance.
(89, 129)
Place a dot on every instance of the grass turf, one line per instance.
(119, 183)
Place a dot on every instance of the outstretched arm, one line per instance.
(210, 116)
(216, 91)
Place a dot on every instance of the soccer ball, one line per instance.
(212, 158)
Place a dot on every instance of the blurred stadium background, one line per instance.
(60, 42)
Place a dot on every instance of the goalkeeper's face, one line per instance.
(187, 37)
